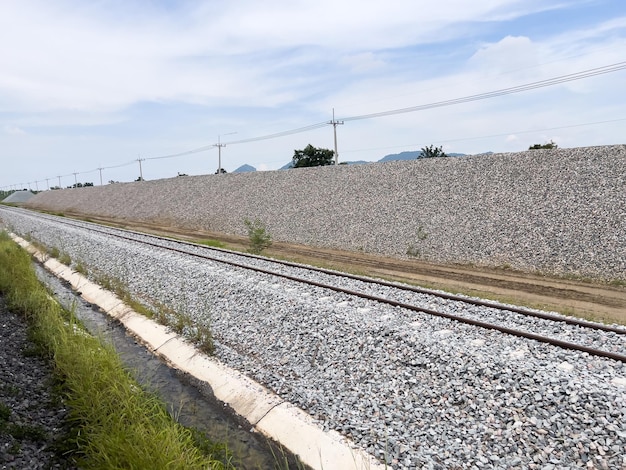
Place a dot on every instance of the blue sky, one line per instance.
(88, 85)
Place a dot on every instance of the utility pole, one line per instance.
(48, 183)
(335, 123)
(59, 181)
(75, 180)
(219, 146)
(37, 186)
(140, 171)
(100, 170)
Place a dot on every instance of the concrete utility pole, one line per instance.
(140, 171)
(335, 123)
(59, 181)
(48, 183)
(100, 170)
(219, 146)
(75, 180)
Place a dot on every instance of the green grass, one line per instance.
(115, 423)
(65, 259)
(211, 243)
(80, 268)
(198, 333)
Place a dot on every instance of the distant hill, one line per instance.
(357, 162)
(412, 155)
(244, 169)
(408, 155)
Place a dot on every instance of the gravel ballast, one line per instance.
(559, 211)
(36, 418)
(417, 391)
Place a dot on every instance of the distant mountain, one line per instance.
(412, 155)
(244, 169)
(357, 162)
(409, 155)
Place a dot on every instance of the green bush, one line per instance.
(258, 235)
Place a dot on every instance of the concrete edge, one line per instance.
(268, 413)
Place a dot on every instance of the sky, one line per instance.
(109, 90)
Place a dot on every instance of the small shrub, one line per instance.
(412, 250)
(258, 235)
(548, 146)
(5, 413)
(80, 268)
(432, 152)
(421, 233)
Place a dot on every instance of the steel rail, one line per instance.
(408, 288)
(491, 326)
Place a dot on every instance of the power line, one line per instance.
(279, 134)
(242, 141)
(462, 139)
(491, 94)
(481, 96)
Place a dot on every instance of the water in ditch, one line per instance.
(189, 401)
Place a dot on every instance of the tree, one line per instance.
(312, 156)
(221, 170)
(548, 145)
(432, 152)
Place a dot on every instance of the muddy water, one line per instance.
(189, 401)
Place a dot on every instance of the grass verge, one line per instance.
(115, 423)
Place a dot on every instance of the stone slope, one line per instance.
(560, 211)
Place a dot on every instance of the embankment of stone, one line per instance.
(558, 211)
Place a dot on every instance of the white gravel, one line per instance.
(421, 392)
(557, 211)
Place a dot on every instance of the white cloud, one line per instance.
(13, 130)
(87, 70)
(510, 54)
(108, 55)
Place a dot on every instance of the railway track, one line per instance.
(563, 332)
(412, 389)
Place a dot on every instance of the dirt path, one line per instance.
(589, 300)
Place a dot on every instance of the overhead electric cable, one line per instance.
(491, 94)
(181, 154)
(463, 139)
(481, 96)
(279, 134)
